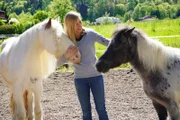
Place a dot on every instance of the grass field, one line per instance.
(152, 28)
(162, 30)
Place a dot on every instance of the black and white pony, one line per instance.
(28, 59)
(157, 65)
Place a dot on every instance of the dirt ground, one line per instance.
(125, 98)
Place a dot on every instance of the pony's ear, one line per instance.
(129, 31)
(48, 25)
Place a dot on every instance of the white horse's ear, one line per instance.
(48, 25)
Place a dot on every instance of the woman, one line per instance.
(86, 76)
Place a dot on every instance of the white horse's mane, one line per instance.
(153, 53)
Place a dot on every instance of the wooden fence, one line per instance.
(4, 36)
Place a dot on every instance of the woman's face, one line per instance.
(78, 26)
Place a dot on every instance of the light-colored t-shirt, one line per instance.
(86, 68)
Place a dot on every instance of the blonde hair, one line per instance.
(69, 24)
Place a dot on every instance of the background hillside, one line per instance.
(92, 9)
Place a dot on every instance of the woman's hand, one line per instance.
(72, 54)
(71, 51)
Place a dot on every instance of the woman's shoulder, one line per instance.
(89, 31)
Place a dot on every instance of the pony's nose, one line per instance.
(99, 66)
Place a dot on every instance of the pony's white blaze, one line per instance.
(26, 60)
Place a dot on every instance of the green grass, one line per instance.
(151, 28)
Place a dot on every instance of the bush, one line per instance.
(1, 22)
(106, 21)
(28, 25)
(40, 15)
(19, 28)
(35, 21)
(7, 29)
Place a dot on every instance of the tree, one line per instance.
(178, 11)
(60, 8)
(137, 13)
(97, 9)
(19, 7)
(40, 15)
(127, 16)
(82, 7)
(4, 5)
(132, 4)
(34, 5)
(162, 12)
(120, 9)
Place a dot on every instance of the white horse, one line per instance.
(28, 59)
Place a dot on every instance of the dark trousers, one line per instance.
(96, 85)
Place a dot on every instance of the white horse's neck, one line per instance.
(43, 62)
(152, 53)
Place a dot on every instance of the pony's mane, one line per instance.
(42, 61)
(152, 53)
